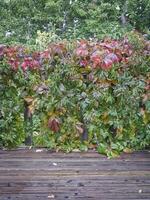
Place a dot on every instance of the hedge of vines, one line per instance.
(79, 95)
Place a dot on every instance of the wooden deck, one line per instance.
(31, 175)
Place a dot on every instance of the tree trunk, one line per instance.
(123, 15)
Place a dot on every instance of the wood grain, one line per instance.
(29, 175)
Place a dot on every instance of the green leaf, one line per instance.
(102, 148)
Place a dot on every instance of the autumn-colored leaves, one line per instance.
(54, 124)
(85, 88)
(103, 55)
(100, 55)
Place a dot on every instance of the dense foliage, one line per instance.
(20, 20)
(77, 95)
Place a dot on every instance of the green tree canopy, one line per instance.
(71, 18)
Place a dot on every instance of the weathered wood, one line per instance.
(26, 174)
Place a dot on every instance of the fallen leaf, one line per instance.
(51, 196)
(39, 150)
(55, 164)
(140, 191)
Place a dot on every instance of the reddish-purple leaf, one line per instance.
(54, 124)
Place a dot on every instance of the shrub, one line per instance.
(78, 95)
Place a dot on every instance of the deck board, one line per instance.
(27, 174)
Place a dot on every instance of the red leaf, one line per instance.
(34, 64)
(96, 60)
(82, 49)
(82, 52)
(30, 63)
(14, 64)
(107, 64)
(83, 63)
(58, 49)
(113, 57)
(109, 60)
(54, 124)
(45, 54)
(24, 66)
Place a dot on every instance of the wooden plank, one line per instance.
(111, 188)
(75, 166)
(26, 153)
(72, 173)
(38, 180)
(76, 196)
(27, 174)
